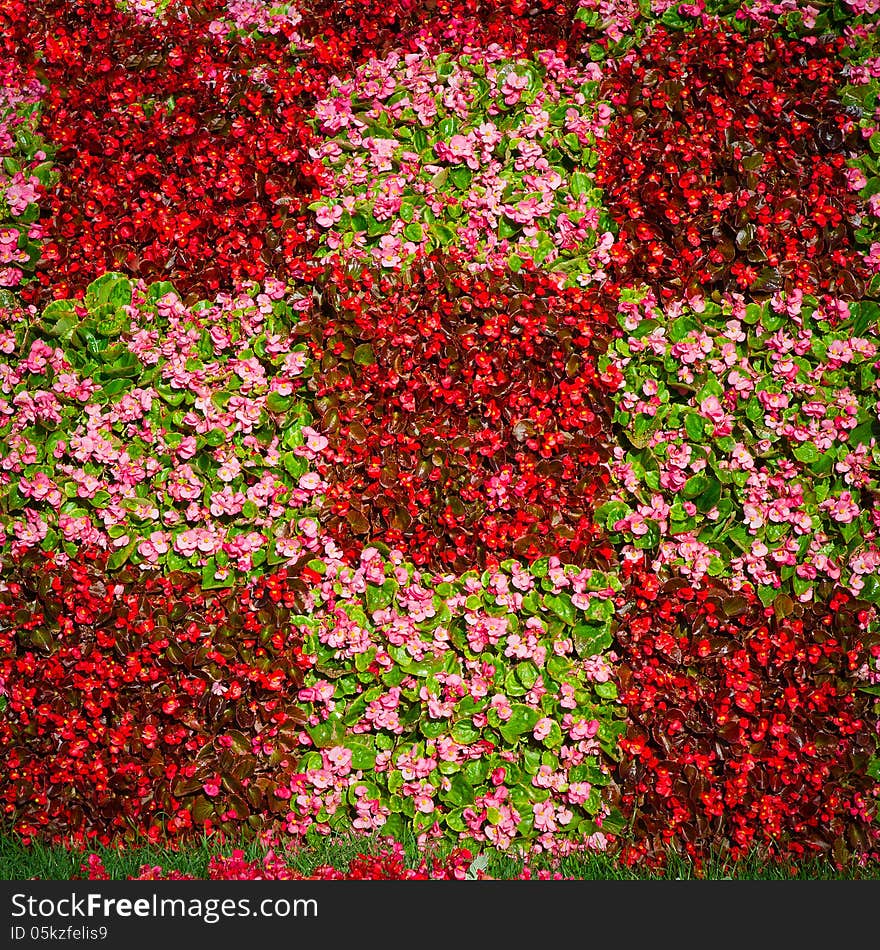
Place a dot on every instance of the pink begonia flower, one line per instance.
(840, 351)
(229, 470)
(501, 704)
(513, 87)
(579, 792)
(842, 508)
(584, 729)
(21, 193)
(855, 179)
(327, 217)
(187, 448)
(712, 409)
(314, 440)
(288, 547)
(186, 543)
(390, 250)
(545, 816)
(542, 728)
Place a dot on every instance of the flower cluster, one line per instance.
(725, 165)
(465, 416)
(488, 155)
(179, 144)
(474, 706)
(132, 706)
(747, 726)
(25, 173)
(165, 433)
(753, 441)
(613, 26)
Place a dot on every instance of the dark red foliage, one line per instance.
(724, 164)
(747, 728)
(143, 705)
(466, 416)
(180, 152)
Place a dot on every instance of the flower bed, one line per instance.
(454, 419)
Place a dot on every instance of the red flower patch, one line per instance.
(747, 728)
(140, 706)
(179, 150)
(725, 165)
(466, 417)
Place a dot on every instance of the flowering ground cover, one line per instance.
(455, 422)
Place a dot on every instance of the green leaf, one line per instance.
(865, 313)
(462, 792)
(523, 719)
(863, 434)
(754, 410)
(433, 728)
(710, 496)
(695, 426)
(599, 609)
(275, 402)
(807, 452)
(591, 639)
(120, 556)
(606, 690)
(159, 290)
(413, 232)
(210, 581)
(540, 567)
(361, 757)
(59, 319)
(110, 288)
(695, 486)
(378, 598)
(376, 227)
(363, 355)
(461, 177)
(328, 733)
(465, 732)
(581, 184)
(562, 606)
(871, 589)
(611, 512)
(443, 235)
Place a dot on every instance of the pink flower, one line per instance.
(10, 276)
(545, 816)
(339, 758)
(513, 87)
(842, 507)
(327, 217)
(712, 409)
(542, 728)
(501, 704)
